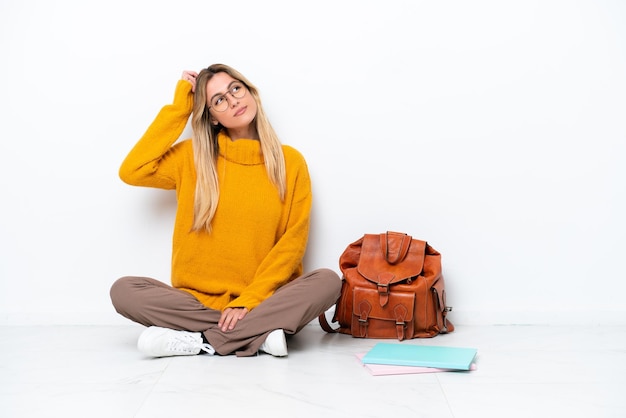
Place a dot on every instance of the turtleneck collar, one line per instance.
(241, 151)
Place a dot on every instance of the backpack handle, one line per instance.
(395, 246)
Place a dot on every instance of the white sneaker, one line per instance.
(275, 344)
(163, 342)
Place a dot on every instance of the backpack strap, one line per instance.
(324, 323)
(364, 310)
(401, 313)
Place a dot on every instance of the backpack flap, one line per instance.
(390, 258)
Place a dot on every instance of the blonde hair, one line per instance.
(206, 148)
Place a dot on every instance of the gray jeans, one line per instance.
(151, 302)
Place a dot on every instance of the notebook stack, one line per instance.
(398, 358)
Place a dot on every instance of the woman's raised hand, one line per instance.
(191, 77)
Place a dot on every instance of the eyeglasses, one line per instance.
(220, 102)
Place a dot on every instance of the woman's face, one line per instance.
(230, 103)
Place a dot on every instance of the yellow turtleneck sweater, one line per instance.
(257, 242)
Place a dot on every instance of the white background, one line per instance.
(493, 130)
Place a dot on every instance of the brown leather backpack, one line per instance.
(392, 288)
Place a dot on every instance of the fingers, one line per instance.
(190, 76)
(230, 317)
(187, 75)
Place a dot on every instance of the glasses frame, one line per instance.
(244, 90)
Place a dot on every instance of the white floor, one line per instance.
(522, 371)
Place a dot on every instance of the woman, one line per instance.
(240, 232)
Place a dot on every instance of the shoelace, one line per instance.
(187, 343)
(207, 348)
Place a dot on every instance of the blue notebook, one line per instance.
(458, 358)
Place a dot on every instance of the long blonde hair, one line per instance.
(206, 148)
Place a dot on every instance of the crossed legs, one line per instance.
(153, 303)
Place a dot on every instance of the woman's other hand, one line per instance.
(230, 317)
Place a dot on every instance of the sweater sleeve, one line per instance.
(147, 163)
(284, 262)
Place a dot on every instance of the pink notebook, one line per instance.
(382, 369)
